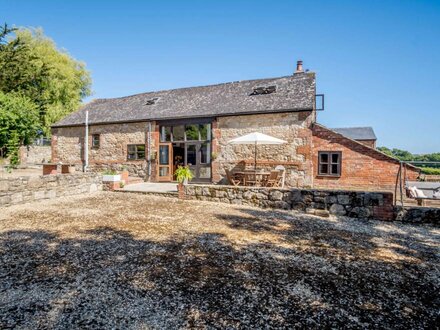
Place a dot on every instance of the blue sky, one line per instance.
(377, 62)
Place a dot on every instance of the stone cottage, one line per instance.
(153, 133)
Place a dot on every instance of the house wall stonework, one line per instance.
(295, 155)
(362, 167)
(68, 144)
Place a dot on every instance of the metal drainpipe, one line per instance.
(149, 150)
(86, 143)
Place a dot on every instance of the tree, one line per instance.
(32, 66)
(18, 123)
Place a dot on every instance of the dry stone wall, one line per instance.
(27, 189)
(364, 205)
(418, 214)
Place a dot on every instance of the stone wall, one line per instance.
(26, 189)
(415, 214)
(295, 155)
(362, 167)
(365, 205)
(35, 154)
(68, 144)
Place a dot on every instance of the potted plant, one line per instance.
(111, 176)
(183, 175)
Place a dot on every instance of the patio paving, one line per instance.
(152, 187)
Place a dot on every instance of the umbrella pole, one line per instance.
(255, 156)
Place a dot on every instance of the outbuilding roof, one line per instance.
(356, 133)
(290, 93)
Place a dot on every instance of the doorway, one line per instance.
(165, 166)
(195, 156)
(185, 144)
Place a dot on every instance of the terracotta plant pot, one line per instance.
(181, 190)
(124, 175)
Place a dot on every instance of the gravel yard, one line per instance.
(131, 261)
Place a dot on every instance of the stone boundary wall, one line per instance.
(35, 154)
(355, 204)
(417, 214)
(26, 189)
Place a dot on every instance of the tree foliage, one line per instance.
(19, 123)
(407, 156)
(32, 66)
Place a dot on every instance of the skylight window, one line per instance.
(152, 101)
(264, 90)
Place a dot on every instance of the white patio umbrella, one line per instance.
(256, 139)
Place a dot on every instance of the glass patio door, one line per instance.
(198, 159)
(165, 169)
(191, 158)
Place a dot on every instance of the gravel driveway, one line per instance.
(132, 261)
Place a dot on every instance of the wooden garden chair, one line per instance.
(233, 179)
(274, 179)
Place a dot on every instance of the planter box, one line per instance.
(67, 169)
(111, 178)
(50, 169)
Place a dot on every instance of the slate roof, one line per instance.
(293, 93)
(356, 133)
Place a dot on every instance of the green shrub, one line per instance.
(183, 173)
(431, 171)
(110, 172)
(18, 124)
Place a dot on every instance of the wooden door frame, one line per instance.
(170, 175)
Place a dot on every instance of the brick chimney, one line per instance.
(299, 67)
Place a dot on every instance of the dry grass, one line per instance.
(136, 261)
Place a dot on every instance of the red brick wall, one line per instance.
(362, 167)
(154, 140)
(54, 146)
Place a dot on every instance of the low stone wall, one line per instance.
(418, 214)
(365, 205)
(26, 189)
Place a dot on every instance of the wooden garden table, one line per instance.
(253, 176)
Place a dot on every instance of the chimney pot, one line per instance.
(299, 67)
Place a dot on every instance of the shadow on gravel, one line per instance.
(319, 274)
